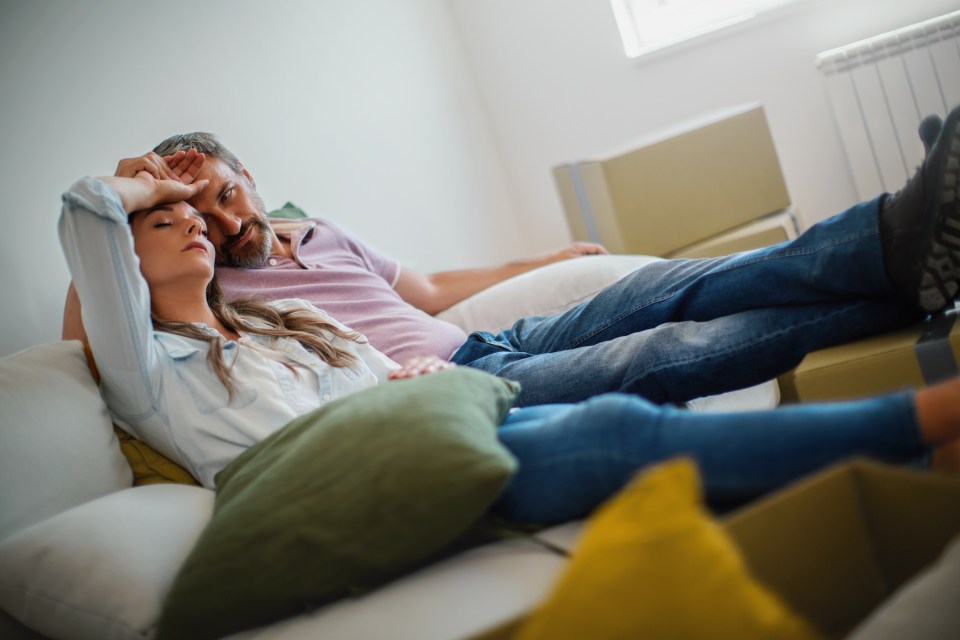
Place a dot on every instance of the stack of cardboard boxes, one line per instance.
(704, 188)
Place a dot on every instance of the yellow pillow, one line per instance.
(653, 564)
(148, 465)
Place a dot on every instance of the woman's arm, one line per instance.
(183, 166)
(98, 246)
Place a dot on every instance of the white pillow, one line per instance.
(100, 571)
(557, 287)
(59, 449)
(543, 291)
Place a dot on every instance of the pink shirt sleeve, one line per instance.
(385, 267)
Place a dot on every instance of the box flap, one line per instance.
(810, 544)
(913, 516)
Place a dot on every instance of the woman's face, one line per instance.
(171, 241)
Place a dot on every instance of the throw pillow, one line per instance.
(289, 211)
(543, 291)
(653, 564)
(101, 570)
(58, 449)
(343, 499)
(149, 466)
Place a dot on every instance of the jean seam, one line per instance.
(726, 268)
(750, 343)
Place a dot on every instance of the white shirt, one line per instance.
(158, 385)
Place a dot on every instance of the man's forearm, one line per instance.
(72, 322)
(439, 291)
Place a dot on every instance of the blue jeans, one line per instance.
(681, 329)
(573, 457)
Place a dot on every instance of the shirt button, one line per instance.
(272, 262)
(326, 397)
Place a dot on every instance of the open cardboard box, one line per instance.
(836, 545)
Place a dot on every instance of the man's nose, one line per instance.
(229, 223)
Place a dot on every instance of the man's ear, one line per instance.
(243, 169)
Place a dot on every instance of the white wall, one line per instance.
(559, 88)
(370, 113)
(362, 112)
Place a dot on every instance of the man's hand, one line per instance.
(144, 190)
(419, 366)
(182, 166)
(575, 250)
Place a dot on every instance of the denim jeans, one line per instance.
(676, 330)
(573, 457)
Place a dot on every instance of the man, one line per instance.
(671, 331)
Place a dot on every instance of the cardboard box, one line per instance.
(915, 357)
(764, 232)
(836, 545)
(677, 187)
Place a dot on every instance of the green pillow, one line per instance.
(343, 499)
(289, 210)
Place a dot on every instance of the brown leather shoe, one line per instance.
(920, 224)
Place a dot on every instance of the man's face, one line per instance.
(235, 215)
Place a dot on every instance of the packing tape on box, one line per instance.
(934, 351)
(576, 177)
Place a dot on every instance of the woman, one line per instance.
(201, 380)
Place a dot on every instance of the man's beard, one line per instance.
(257, 250)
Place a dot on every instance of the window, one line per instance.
(649, 25)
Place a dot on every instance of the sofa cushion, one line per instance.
(653, 564)
(58, 449)
(543, 291)
(100, 571)
(343, 499)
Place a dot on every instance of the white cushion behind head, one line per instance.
(59, 449)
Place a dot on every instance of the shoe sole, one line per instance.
(940, 271)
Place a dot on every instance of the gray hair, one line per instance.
(205, 143)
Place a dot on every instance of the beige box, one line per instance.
(914, 357)
(678, 187)
(836, 545)
(761, 233)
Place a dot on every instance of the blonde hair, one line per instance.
(304, 325)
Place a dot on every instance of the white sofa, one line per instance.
(83, 554)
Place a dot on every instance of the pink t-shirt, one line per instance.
(337, 273)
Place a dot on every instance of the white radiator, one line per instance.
(880, 89)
